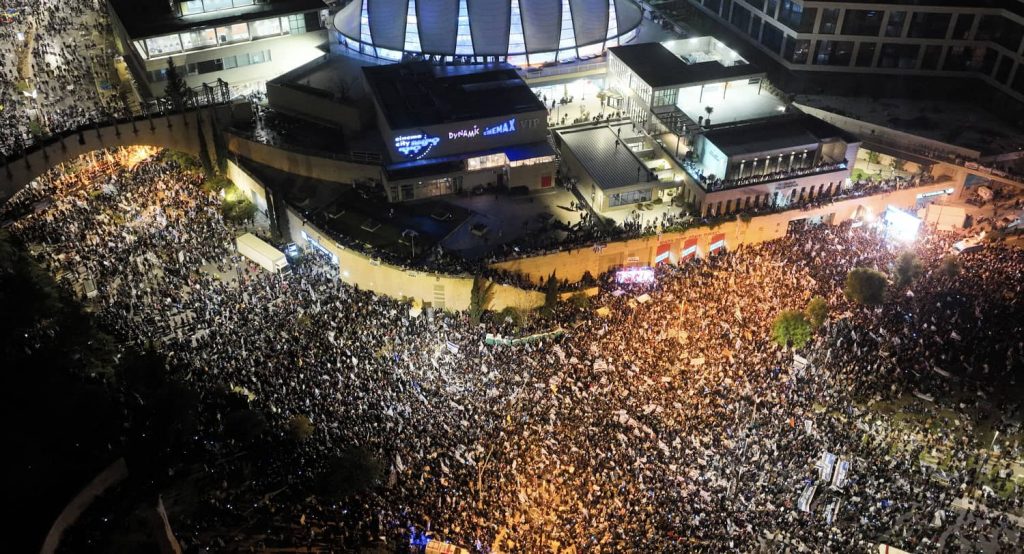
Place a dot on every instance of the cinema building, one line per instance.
(448, 129)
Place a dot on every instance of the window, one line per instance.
(1018, 81)
(862, 22)
(217, 5)
(962, 27)
(234, 33)
(894, 28)
(265, 27)
(796, 50)
(484, 162)
(230, 62)
(158, 75)
(199, 39)
(163, 45)
(665, 97)
(903, 56)
(1001, 31)
(832, 52)
(209, 66)
(771, 37)
(929, 25)
(829, 19)
(964, 58)
(740, 18)
(1005, 65)
(772, 8)
(188, 8)
(865, 55)
(931, 57)
(755, 28)
(796, 17)
(713, 5)
(297, 25)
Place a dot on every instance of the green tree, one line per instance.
(513, 316)
(873, 157)
(865, 286)
(908, 268)
(817, 312)
(580, 300)
(176, 89)
(300, 427)
(480, 296)
(949, 267)
(791, 327)
(354, 470)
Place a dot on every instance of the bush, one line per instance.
(512, 316)
(657, 201)
(300, 427)
(817, 312)
(580, 300)
(908, 268)
(865, 286)
(949, 266)
(218, 183)
(791, 328)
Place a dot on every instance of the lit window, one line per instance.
(163, 45)
(464, 40)
(265, 27)
(199, 39)
(234, 33)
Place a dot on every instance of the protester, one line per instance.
(674, 424)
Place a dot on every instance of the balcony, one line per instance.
(714, 184)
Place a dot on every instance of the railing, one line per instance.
(562, 69)
(709, 185)
(357, 157)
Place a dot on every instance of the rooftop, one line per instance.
(149, 18)
(611, 164)
(422, 94)
(958, 123)
(777, 133)
(659, 67)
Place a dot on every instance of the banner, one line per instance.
(806, 497)
(689, 249)
(492, 339)
(826, 463)
(452, 347)
(717, 243)
(664, 252)
(842, 472)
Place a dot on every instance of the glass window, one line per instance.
(464, 38)
(209, 66)
(862, 22)
(163, 45)
(833, 52)
(794, 15)
(1018, 81)
(230, 62)
(903, 56)
(796, 50)
(932, 53)
(771, 37)
(217, 5)
(199, 39)
(516, 42)
(755, 28)
(964, 58)
(240, 3)
(191, 7)
(829, 19)
(740, 18)
(265, 27)
(866, 54)
(929, 25)
(1005, 65)
(894, 28)
(234, 33)
(962, 27)
(713, 5)
(297, 25)
(999, 30)
(772, 8)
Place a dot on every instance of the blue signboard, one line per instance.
(415, 146)
(502, 128)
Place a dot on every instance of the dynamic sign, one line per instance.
(415, 146)
(503, 128)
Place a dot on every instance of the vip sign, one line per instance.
(415, 146)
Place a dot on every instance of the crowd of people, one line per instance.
(672, 424)
(54, 58)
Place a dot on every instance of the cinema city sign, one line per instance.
(417, 145)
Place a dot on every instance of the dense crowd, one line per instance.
(674, 424)
(54, 57)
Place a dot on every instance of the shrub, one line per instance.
(817, 312)
(865, 286)
(791, 328)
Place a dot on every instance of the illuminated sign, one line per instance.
(900, 225)
(503, 128)
(415, 146)
(635, 275)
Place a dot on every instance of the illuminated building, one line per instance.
(242, 42)
(448, 129)
(521, 32)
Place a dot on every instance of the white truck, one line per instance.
(268, 257)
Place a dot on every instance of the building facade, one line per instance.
(520, 32)
(977, 38)
(241, 42)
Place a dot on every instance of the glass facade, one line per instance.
(199, 39)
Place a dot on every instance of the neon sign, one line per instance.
(415, 146)
(503, 128)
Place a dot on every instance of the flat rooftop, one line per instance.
(958, 123)
(421, 94)
(611, 165)
(777, 133)
(150, 18)
(657, 66)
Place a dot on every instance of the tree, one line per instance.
(354, 470)
(817, 312)
(873, 157)
(580, 300)
(791, 327)
(480, 296)
(299, 427)
(865, 286)
(908, 268)
(513, 316)
(949, 267)
(176, 89)
(550, 295)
